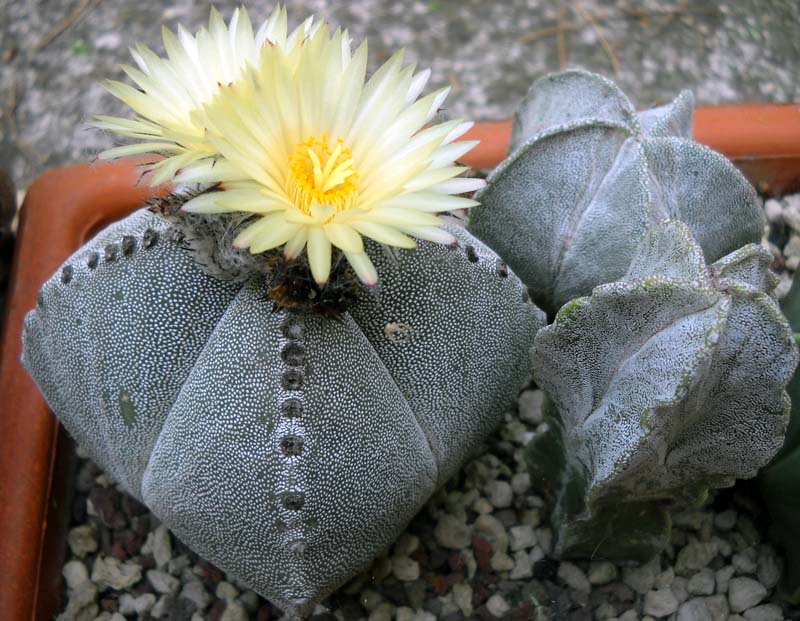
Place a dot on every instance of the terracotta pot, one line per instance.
(65, 206)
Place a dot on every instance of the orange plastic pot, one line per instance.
(65, 206)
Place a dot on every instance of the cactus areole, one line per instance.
(283, 361)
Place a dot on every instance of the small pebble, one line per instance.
(130, 605)
(234, 611)
(745, 562)
(702, 583)
(162, 582)
(521, 483)
(491, 529)
(501, 561)
(523, 566)
(722, 578)
(82, 540)
(75, 573)
(226, 591)
(162, 546)
(405, 569)
(744, 593)
(497, 605)
(196, 593)
(383, 612)
(694, 610)
(451, 533)
(521, 537)
(770, 566)
(406, 545)
(499, 493)
(765, 612)
(108, 572)
(693, 557)
(602, 572)
(717, 606)
(530, 406)
(642, 578)
(660, 603)
(726, 520)
(462, 597)
(573, 576)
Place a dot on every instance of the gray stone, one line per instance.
(108, 572)
(665, 578)
(130, 605)
(499, 493)
(370, 599)
(501, 561)
(462, 597)
(225, 590)
(770, 566)
(642, 578)
(629, 615)
(75, 573)
(491, 529)
(521, 483)
(744, 593)
(521, 537)
(530, 406)
(573, 576)
(723, 577)
(702, 583)
(162, 546)
(680, 588)
(405, 569)
(162, 582)
(606, 610)
(82, 540)
(717, 606)
(81, 605)
(406, 545)
(745, 562)
(774, 210)
(660, 603)
(694, 556)
(523, 566)
(383, 612)
(694, 610)
(765, 612)
(196, 593)
(497, 605)
(234, 611)
(452, 533)
(726, 520)
(602, 572)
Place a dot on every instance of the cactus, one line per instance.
(780, 481)
(586, 176)
(289, 448)
(663, 384)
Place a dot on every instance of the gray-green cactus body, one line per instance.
(780, 481)
(585, 177)
(287, 448)
(663, 384)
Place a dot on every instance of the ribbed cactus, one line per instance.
(585, 177)
(780, 481)
(663, 384)
(288, 448)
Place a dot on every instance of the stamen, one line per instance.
(319, 175)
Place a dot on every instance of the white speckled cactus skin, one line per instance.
(585, 177)
(663, 384)
(288, 449)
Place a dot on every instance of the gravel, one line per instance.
(472, 553)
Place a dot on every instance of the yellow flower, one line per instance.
(171, 89)
(323, 158)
